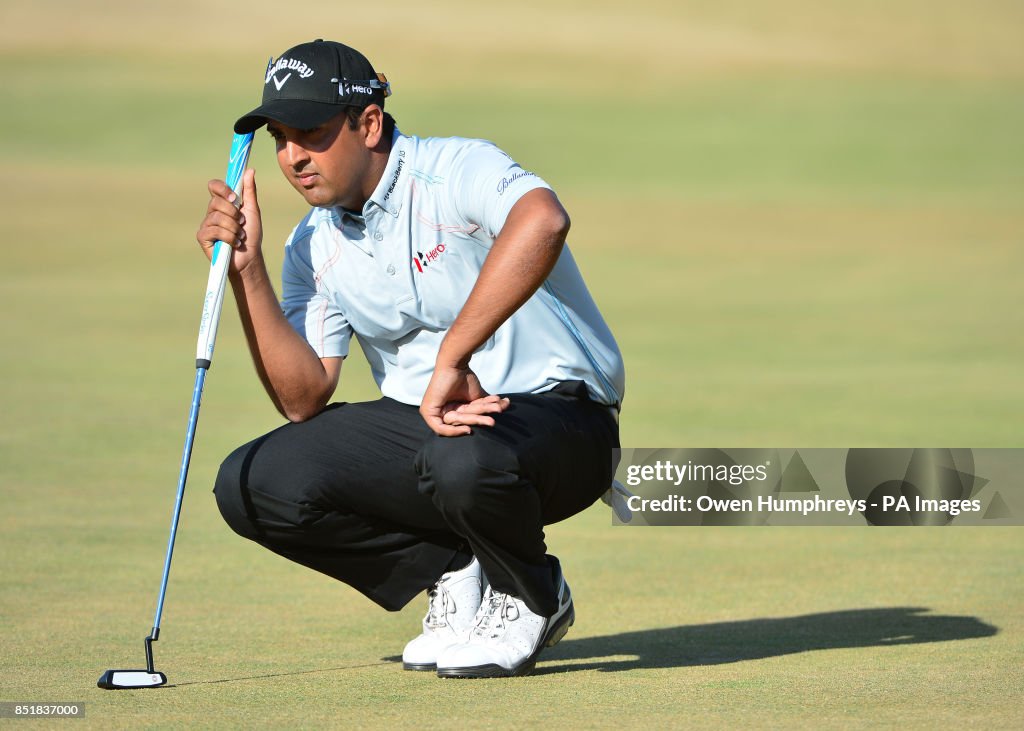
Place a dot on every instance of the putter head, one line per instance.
(126, 679)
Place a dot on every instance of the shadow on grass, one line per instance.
(755, 639)
(726, 642)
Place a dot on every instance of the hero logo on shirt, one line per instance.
(423, 260)
(289, 65)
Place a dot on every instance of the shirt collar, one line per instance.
(388, 194)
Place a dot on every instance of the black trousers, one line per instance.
(367, 494)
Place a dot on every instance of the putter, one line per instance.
(212, 303)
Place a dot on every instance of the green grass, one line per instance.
(803, 223)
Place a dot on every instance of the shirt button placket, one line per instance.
(378, 236)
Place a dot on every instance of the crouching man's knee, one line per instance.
(458, 472)
(230, 490)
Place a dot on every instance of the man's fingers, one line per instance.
(460, 418)
(250, 198)
(454, 401)
(452, 431)
(474, 413)
(222, 205)
(220, 227)
(233, 218)
(227, 221)
(223, 220)
(437, 424)
(219, 189)
(486, 405)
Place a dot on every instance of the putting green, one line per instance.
(803, 223)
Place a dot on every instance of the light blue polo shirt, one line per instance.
(397, 276)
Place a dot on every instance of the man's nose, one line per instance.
(295, 154)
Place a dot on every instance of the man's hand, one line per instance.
(454, 401)
(241, 228)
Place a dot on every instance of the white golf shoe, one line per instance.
(507, 636)
(453, 604)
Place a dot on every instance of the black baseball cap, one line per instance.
(312, 82)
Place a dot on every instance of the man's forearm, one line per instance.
(296, 380)
(519, 261)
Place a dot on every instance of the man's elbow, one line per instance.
(538, 216)
(557, 222)
(304, 398)
(296, 416)
(299, 410)
(560, 226)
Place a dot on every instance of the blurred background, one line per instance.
(802, 219)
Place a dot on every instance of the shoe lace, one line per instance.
(438, 606)
(496, 608)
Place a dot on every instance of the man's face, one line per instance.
(328, 164)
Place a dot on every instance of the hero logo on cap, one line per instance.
(345, 88)
(289, 65)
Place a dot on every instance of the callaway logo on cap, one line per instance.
(311, 83)
(290, 65)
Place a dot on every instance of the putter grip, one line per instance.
(214, 299)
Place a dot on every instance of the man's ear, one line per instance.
(372, 124)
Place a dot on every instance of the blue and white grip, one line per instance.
(215, 286)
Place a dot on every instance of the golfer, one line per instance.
(500, 381)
